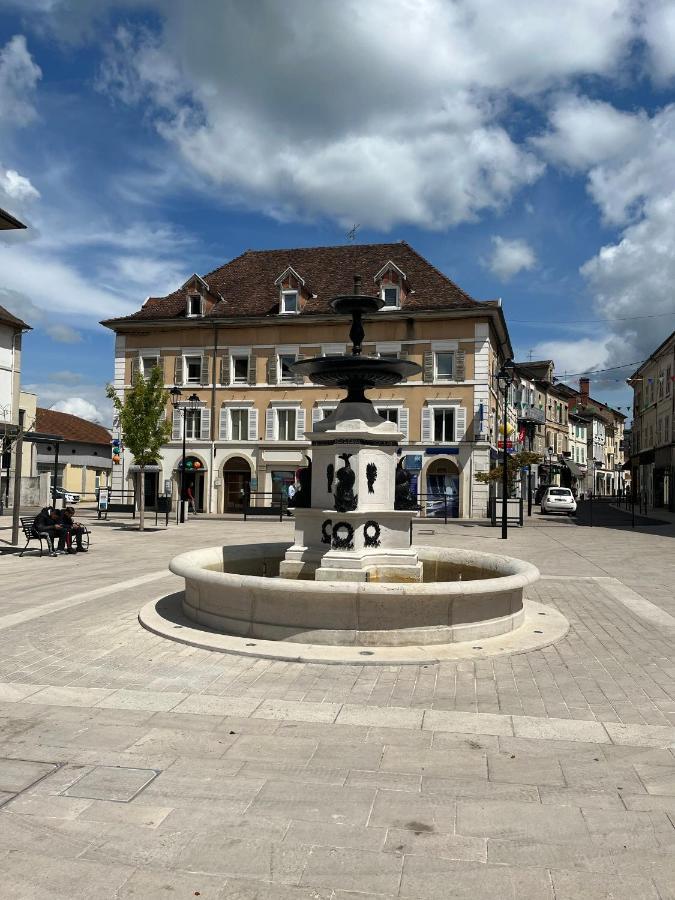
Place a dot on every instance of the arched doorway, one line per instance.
(236, 482)
(194, 480)
(442, 477)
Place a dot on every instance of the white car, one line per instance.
(62, 494)
(558, 499)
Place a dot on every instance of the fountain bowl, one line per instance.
(465, 595)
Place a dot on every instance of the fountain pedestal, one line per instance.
(352, 532)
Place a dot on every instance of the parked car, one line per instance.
(558, 499)
(62, 494)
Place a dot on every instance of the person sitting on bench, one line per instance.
(71, 528)
(45, 526)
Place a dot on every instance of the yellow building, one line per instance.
(231, 336)
(84, 454)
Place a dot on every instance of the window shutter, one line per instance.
(204, 377)
(160, 366)
(404, 352)
(272, 369)
(460, 365)
(300, 425)
(135, 367)
(178, 370)
(175, 425)
(269, 424)
(427, 435)
(460, 423)
(251, 369)
(205, 428)
(253, 424)
(225, 368)
(223, 424)
(403, 422)
(428, 374)
(317, 415)
(297, 378)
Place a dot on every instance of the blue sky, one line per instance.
(529, 156)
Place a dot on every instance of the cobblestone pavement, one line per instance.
(131, 766)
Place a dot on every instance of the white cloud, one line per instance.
(78, 406)
(16, 187)
(585, 132)
(573, 357)
(18, 77)
(402, 129)
(63, 334)
(510, 256)
(658, 30)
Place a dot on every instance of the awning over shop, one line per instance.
(576, 470)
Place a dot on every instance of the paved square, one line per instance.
(135, 767)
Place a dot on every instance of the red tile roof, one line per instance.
(247, 283)
(72, 428)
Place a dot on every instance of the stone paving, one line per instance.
(131, 766)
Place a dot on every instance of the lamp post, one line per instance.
(189, 404)
(550, 466)
(505, 380)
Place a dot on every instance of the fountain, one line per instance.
(352, 577)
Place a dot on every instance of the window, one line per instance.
(149, 363)
(286, 375)
(193, 369)
(240, 369)
(194, 305)
(444, 424)
(390, 295)
(289, 302)
(286, 424)
(669, 378)
(389, 413)
(660, 385)
(239, 424)
(444, 365)
(193, 423)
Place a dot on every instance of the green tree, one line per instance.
(143, 425)
(516, 462)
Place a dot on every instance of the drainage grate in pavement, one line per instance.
(117, 783)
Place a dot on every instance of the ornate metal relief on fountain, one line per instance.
(358, 525)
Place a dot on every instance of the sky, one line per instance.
(527, 150)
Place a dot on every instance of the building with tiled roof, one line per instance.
(229, 336)
(84, 455)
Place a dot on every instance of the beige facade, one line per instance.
(230, 339)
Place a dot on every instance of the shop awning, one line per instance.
(575, 469)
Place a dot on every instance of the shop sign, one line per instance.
(442, 451)
(412, 461)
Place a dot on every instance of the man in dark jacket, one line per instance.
(71, 527)
(46, 525)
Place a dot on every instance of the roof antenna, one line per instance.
(351, 234)
(530, 354)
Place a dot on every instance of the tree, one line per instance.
(143, 425)
(516, 462)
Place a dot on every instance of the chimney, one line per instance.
(584, 387)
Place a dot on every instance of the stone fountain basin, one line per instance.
(236, 590)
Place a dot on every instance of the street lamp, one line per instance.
(190, 404)
(550, 452)
(505, 380)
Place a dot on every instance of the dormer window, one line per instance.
(194, 305)
(290, 302)
(391, 295)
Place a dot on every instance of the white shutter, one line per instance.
(460, 423)
(251, 369)
(205, 428)
(317, 415)
(204, 377)
(223, 430)
(253, 424)
(225, 368)
(403, 422)
(300, 425)
(460, 365)
(428, 370)
(272, 369)
(178, 370)
(269, 424)
(427, 434)
(175, 425)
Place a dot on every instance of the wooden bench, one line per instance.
(118, 508)
(27, 526)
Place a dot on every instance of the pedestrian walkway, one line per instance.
(132, 766)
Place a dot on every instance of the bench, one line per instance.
(118, 508)
(27, 526)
